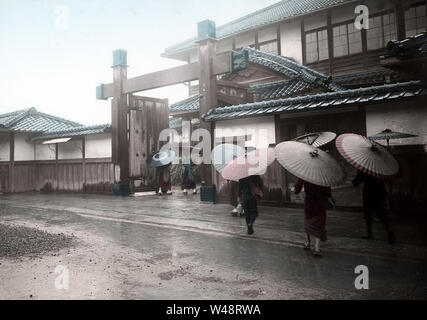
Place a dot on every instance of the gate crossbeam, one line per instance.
(181, 74)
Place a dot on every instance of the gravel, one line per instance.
(17, 241)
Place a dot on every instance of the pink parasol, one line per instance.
(250, 164)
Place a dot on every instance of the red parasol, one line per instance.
(368, 156)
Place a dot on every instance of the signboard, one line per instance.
(239, 60)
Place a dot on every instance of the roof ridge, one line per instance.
(280, 11)
(185, 100)
(58, 118)
(253, 13)
(267, 103)
(7, 114)
(82, 127)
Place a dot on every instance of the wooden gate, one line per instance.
(147, 118)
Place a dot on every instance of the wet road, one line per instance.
(151, 248)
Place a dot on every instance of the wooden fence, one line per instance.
(90, 175)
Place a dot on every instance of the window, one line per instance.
(381, 30)
(316, 46)
(415, 20)
(347, 40)
(270, 46)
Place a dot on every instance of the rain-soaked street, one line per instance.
(154, 247)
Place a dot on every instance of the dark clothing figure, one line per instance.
(164, 181)
(315, 206)
(188, 178)
(247, 188)
(374, 202)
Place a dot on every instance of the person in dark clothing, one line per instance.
(374, 202)
(250, 189)
(315, 206)
(188, 178)
(164, 185)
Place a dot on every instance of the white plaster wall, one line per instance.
(315, 22)
(24, 151)
(291, 40)
(224, 45)
(194, 55)
(70, 150)
(4, 147)
(45, 152)
(98, 146)
(262, 130)
(267, 34)
(245, 40)
(408, 117)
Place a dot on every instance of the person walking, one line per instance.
(250, 190)
(188, 178)
(164, 180)
(374, 203)
(315, 206)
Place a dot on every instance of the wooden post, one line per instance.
(285, 177)
(400, 20)
(83, 161)
(279, 40)
(56, 167)
(207, 82)
(119, 116)
(11, 161)
(330, 43)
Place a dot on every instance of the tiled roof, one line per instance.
(30, 120)
(191, 104)
(366, 77)
(321, 101)
(46, 126)
(280, 11)
(280, 89)
(301, 78)
(75, 132)
(175, 123)
(412, 47)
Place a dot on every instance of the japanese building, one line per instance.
(310, 69)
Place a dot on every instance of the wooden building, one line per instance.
(42, 152)
(312, 70)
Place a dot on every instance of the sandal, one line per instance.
(317, 253)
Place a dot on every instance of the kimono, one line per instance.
(374, 198)
(188, 178)
(164, 182)
(315, 206)
(248, 199)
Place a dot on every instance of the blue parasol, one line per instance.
(161, 159)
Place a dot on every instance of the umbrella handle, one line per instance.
(314, 153)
